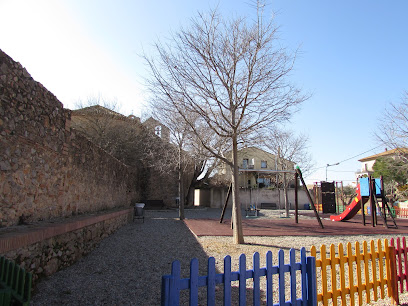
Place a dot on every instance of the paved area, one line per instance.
(270, 223)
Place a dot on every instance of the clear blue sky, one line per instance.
(352, 58)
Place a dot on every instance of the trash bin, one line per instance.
(306, 206)
(139, 211)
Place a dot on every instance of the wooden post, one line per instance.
(296, 198)
(383, 201)
(372, 203)
(309, 197)
(226, 203)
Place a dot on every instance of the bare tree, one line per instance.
(287, 147)
(393, 131)
(232, 75)
(99, 120)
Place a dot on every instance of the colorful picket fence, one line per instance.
(374, 272)
(400, 212)
(368, 273)
(172, 284)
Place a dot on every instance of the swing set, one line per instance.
(297, 175)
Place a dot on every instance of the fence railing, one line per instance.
(172, 284)
(400, 212)
(401, 252)
(367, 273)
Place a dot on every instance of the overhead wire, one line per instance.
(347, 159)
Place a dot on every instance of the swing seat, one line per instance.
(252, 211)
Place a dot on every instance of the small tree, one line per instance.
(231, 76)
(394, 172)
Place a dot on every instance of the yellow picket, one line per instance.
(374, 269)
(342, 261)
(350, 260)
(381, 263)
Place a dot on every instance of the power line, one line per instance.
(348, 158)
(360, 154)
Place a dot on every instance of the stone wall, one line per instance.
(47, 170)
(53, 246)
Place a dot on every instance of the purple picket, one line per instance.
(227, 280)
(242, 280)
(256, 280)
(194, 282)
(269, 279)
(211, 282)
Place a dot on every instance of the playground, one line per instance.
(271, 224)
(354, 219)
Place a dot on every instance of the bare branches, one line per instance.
(221, 69)
(394, 125)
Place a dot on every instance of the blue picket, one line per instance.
(211, 282)
(269, 279)
(303, 273)
(242, 280)
(293, 268)
(256, 297)
(281, 269)
(194, 282)
(311, 283)
(227, 280)
(173, 284)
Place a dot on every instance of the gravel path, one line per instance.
(126, 268)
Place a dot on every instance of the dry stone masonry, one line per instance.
(47, 169)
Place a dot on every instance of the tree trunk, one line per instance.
(238, 236)
(285, 191)
(180, 188)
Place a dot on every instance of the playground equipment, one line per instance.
(368, 190)
(298, 175)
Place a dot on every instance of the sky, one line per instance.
(351, 59)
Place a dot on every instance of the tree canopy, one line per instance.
(228, 79)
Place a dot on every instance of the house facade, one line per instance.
(368, 162)
(257, 168)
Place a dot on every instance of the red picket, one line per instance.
(401, 253)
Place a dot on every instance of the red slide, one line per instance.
(350, 210)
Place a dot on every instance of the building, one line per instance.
(367, 163)
(258, 168)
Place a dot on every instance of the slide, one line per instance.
(350, 210)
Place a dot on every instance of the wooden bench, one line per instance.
(154, 204)
(15, 283)
(268, 205)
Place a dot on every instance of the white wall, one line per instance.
(215, 198)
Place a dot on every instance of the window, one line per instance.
(158, 130)
(264, 164)
(245, 163)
